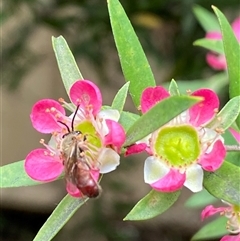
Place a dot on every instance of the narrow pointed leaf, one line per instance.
(159, 115)
(232, 53)
(210, 44)
(173, 88)
(227, 115)
(66, 62)
(14, 175)
(200, 199)
(153, 204)
(127, 119)
(214, 229)
(61, 214)
(224, 183)
(120, 98)
(133, 61)
(206, 18)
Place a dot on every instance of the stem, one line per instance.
(232, 147)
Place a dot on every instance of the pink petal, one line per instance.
(40, 165)
(236, 28)
(73, 190)
(116, 135)
(135, 148)
(85, 93)
(173, 181)
(214, 35)
(43, 119)
(231, 238)
(236, 134)
(216, 61)
(213, 160)
(151, 96)
(204, 111)
(211, 210)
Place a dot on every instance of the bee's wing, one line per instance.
(71, 162)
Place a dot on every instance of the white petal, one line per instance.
(208, 135)
(109, 160)
(194, 178)
(109, 114)
(154, 169)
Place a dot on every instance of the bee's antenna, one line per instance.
(74, 117)
(64, 125)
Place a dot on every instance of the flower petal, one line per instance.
(216, 61)
(235, 134)
(135, 148)
(116, 135)
(110, 114)
(211, 210)
(73, 190)
(154, 169)
(214, 35)
(85, 93)
(44, 115)
(204, 111)
(41, 165)
(213, 160)
(236, 28)
(109, 160)
(151, 96)
(171, 182)
(194, 178)
(231, 238)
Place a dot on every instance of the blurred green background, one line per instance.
(166, 30)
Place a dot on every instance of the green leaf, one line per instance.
(61, 214)
(207, 19)
(216, 82)
(120, 98)
(133, 61)
(66, 62)
(200, 199)
(232, 53)
(210, 44)
(173, 88)
(214, 229)
(127, 119)
(227, 115)
(14, 175)
(224, 183)
(153, 204)
(157, 116)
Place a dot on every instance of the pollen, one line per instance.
(53, 109)
(42, 141)
(61, 100)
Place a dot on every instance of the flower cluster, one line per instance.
(180, 150)
(94, 145)
(218, 61)
(232, 213)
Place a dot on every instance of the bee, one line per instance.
(77, 169)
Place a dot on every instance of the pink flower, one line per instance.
(218, 61)
(232, 212)
(91, 136)
(180, 150)
(235, 134)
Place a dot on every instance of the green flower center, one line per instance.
(178, 145)
(89, 130)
